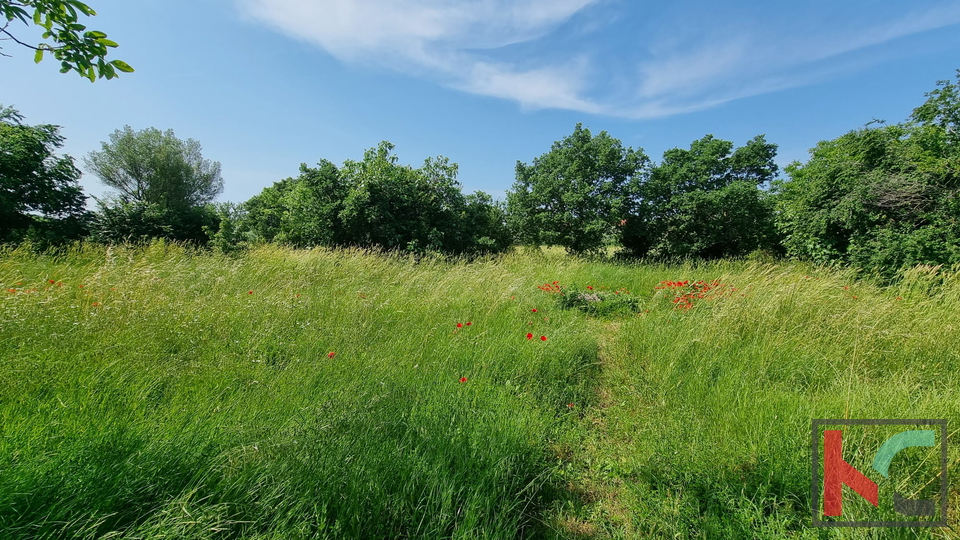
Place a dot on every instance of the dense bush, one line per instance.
(379, 203)
(880, 198)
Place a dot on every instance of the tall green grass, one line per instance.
(181, 394)
(705, 427)
(184, 395)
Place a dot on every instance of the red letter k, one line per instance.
(837, 472)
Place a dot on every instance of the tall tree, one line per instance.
(163, 186)
(83, 52)
(578, 192)
(37, 188)
(154, 167)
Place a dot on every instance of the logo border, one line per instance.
(815, 487)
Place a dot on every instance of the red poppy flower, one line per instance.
(534, 310)
(459, 325)
(249, 292)
(11, 291)
(543, 338)
(95, 304)
(52, 282)
(331, 354)
(569, 405)
(529, 335)
(469, 323)
(81, 286)
(555, 282)
(463, 379)
(589, 287)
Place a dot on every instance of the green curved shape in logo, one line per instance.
(904, 439)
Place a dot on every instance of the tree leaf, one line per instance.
(122, 66)
(107, 42)
(38, 56)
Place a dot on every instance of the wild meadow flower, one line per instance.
(529, 335)
(543, 338)
(469, 323)
(459, 325)
(534, 310)
(463, 379)
(331, 354)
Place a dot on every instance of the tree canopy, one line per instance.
(705, 201)
(154, 167)
(377, 202)
(37, 188)
(577, 193)
(64, 37)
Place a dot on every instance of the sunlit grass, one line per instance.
(182, 394)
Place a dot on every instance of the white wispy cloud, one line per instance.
(461, 45)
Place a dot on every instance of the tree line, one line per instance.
(878, 198)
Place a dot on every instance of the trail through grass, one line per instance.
(159, 392)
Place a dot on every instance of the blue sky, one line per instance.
(265, 85)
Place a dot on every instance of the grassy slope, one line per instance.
(183, 406)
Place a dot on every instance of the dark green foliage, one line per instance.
(578, 192)
(119, 221)
(706, 202)
(880, 198)
(40, 196)
(81, 52)
(228, 235)
(378, 203)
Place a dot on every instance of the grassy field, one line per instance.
(164, 393)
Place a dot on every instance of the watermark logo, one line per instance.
(901, 471)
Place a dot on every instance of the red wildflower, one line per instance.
(469, 323)
(543, 338)
(331, 354)
(555, 282)
(590, 287)
(12, 291)
(96, 304)
(249, 292)
(459, 325)
(81, 286)
(534, 310)
(52, 282)
(529, 335)
(898, 298)
(569, 405)
(463, 379)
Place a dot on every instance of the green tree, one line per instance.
(39, 191)
(65, 38)
(161, 182)
(578, 192)
(706, 202)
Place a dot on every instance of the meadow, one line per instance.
(163, 392)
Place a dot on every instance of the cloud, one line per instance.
(514, 50)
